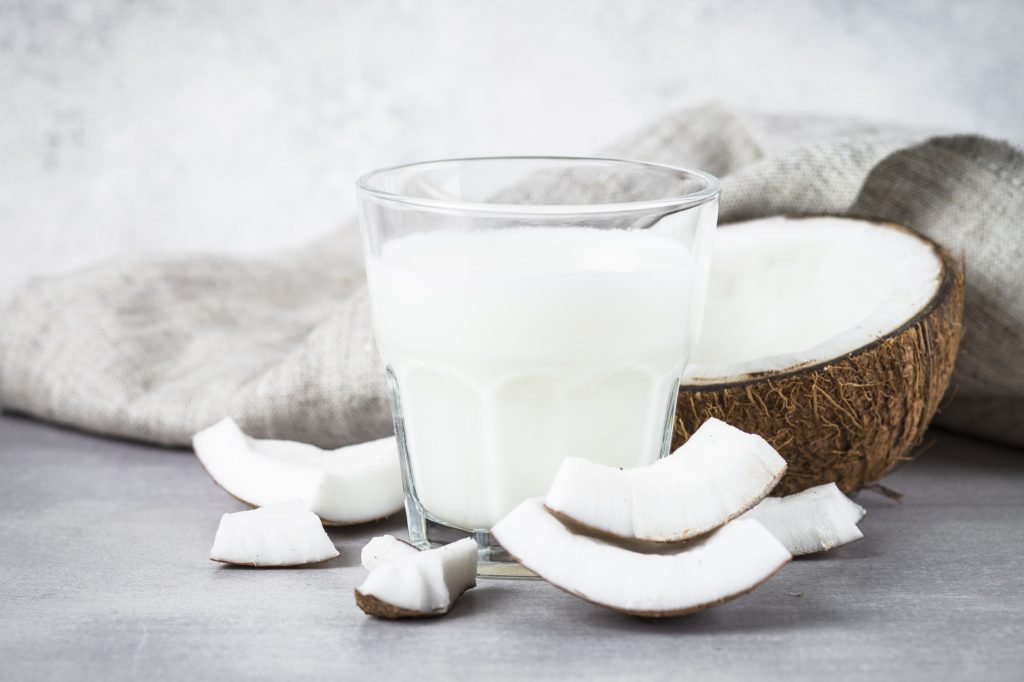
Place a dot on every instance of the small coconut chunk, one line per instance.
(421, 584)
(726, 564)
(349, 485)
(385, 549)
(718, 474)
(283, 534)
(815, 520)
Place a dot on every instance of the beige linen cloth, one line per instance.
(158, 348)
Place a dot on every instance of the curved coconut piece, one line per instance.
(284, 534)
(727, 564)
(718, 474)
(385, 549)
(834, 338)
(353, 484)
(815, 520)
(420, 584)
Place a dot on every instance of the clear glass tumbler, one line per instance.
(529, 309)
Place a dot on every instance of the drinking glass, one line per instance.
(528, 309)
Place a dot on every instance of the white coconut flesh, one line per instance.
(718, 474)
(385, 549)
(419, 583)
(353, 484)
(815, 520)
(726, 564)
(791, 292)
(283, 534)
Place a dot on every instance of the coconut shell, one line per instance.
(372, 606)
(853, 418)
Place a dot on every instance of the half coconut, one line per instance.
(834, 338)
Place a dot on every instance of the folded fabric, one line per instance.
(156, 349)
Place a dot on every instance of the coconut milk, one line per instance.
(514, 348)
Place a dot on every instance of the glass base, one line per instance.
(427, 532)
(493, 561)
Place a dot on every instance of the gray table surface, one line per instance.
(104, 575)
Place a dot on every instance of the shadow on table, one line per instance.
(493, 602)
(361, 532)
(737, 617)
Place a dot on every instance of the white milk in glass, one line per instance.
(514, 348)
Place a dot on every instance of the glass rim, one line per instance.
(711, 189)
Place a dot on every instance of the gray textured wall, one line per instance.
(241, 125)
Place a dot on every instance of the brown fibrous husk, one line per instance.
(372, 606)
(851, 419)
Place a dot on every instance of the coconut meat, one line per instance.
(718, 474)
(282, 534)
(726, 564)
(419, 583)
(788, 292)
(815, 520)
(385, 549)
(353, 484)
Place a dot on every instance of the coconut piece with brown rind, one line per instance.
(847, 418)
(283, 534)
(352, 484)
(730, 562)
(815, 520)
(421, 584)
(717, 475)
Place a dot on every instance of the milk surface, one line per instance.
(515, 348)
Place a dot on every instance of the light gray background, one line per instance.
(240, 126)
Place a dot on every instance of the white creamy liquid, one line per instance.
(515, 348)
